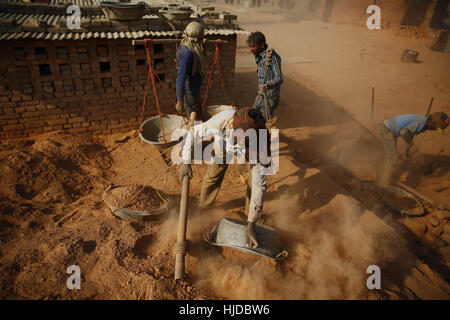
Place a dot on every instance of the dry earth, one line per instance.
(333, 225)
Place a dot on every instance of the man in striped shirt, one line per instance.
(270, 77)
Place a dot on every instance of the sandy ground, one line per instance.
(333, 225)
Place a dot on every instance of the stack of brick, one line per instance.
(89, 85)
(53, 77)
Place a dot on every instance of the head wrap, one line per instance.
(193, 39)
(441, 121)
(242, 120)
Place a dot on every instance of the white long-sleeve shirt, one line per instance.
(220, 124)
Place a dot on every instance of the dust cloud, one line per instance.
(329, 252)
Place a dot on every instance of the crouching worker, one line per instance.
(406, 126)
(226, 125)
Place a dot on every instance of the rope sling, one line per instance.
(153, 76)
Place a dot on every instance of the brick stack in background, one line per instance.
(89, 85)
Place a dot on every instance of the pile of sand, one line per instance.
(56, 167)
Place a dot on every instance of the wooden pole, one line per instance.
(180, 245)
(429, 107)
(159, 41)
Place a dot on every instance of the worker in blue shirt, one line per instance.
(267, 60)
(406, 126)
(191, 62)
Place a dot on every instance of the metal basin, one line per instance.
(123, 11)
(152, 133)
(401, 201)
(230, 233)
(176, 14)
(128, 214)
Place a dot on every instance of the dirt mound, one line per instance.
(56, 167)
(135, 197)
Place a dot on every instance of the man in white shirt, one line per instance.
(227, 124)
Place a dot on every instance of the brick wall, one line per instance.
(89, 85)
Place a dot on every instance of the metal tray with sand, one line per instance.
(230, 233)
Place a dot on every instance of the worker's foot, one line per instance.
(240, 212)
(208, 235)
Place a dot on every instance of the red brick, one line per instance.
(75, 120)
(9, 104)
(110, 96)
(75, 130)
(31, 114)
(57, 122)
(30, 108)
(97, 117)
(11, 127)
(71, 99)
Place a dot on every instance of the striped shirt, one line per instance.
(274, 75)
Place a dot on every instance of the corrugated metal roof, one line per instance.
(45, 26)
(104, 35)
(56, 2)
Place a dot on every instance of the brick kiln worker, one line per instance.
(266, 59)
(191, 61)
(227, 122)
(406, 126)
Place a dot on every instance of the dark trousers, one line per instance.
(193, 103)
(261, 106)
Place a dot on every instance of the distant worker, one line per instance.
(270, 77)
(406, 126)
(191, 61)
(227, 122)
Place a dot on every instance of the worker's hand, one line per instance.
(264, 87)
(407, 136)
(185, 170)
(250, 236)
(179, 106)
